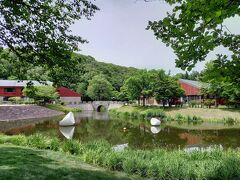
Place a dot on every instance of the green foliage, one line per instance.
(194, 28)
(154, 83)
(179, 117)
(208, 103)
(41, 93)
(72, 147)
(99, 88)
(16, 100)
(38, 32)
(157, 163)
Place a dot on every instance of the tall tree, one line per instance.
(139, 86)
(194, 28)
(38, 31)
(99, 88)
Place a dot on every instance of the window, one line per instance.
(70, 103)
(9, 90)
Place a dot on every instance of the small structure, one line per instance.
(69, 97)
(14, 88)
(68, 120)
(155, 122)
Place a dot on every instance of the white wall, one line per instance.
(71, 100)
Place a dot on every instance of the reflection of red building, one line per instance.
(13, 88)
(190, 138)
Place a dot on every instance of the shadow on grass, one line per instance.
(23, 163)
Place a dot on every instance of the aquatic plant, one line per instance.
(156, 164)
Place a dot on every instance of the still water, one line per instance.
(137, 134)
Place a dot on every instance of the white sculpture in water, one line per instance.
(155, 122)
(67, 132)
(68, 120)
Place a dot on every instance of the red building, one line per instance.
(13, 88)
(192, 89)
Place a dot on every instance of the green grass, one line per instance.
(65, 109)
(157, 163)
(187, 114)
(28, 163)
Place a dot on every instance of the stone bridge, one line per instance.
(97, 105)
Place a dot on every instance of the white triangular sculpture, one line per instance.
(155, 122)
(155, 129)
(67, 132)
(68, 120)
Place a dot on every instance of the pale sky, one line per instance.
(117, 35)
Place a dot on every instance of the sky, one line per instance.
(117, 34)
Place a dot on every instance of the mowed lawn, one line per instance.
(205, 113)
(26, 163)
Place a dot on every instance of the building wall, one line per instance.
(71, 100)
(1, 99)
(17, 93)
(189, 90)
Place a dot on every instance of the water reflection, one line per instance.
(137, 134)
(67, 132)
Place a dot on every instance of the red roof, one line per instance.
(65, 92)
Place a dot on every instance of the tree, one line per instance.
(42, 94)
(38, 32)
(194, 28)
(223, 78)
(99, 88)
(139, 86)
(166, 89)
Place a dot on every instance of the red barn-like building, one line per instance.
(192, 89)
(13, 88)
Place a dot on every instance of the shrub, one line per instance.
(18, 140)
(179, 117)
(72, 147)
(16, 100)
(54, 144)
(229, 120)
(38, 140)
(209, 103)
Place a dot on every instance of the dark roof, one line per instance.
(197, 84)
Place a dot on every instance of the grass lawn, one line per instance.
(212, 114)
(26, 163)
(207, 114)
(65, 109)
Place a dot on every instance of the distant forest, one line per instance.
(84, 68)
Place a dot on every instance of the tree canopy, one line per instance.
(194, 28)
(38, 31)
(99, 88)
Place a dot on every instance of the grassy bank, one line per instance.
(65, 109)
(178, 114)
(158, 163)
(18, 162)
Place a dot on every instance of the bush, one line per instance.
(208, 103)
(229, 120)
(72, 147)
(179, 117)
(38, 141)
(16, 100)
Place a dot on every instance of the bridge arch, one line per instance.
(99, 108)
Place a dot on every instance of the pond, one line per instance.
(137, 134)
